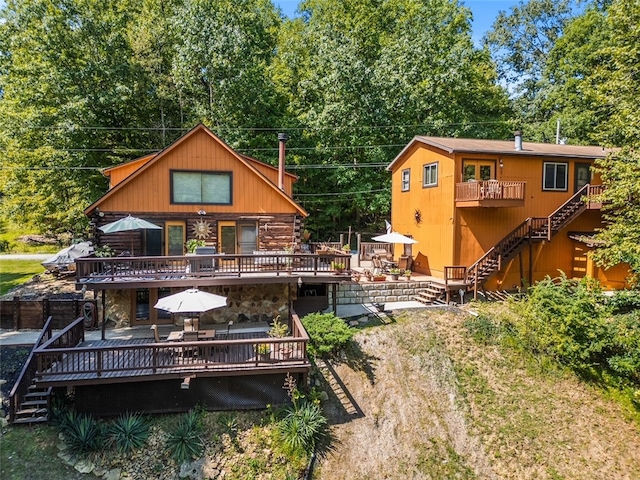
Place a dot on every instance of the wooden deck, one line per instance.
(69, 360)
(134, 272)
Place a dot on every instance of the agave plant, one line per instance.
(303, 428)
(185, 442)
(82, 433)
(129, 432)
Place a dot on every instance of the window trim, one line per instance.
(566, 177)
(424, 176)
(405, 186)
(228, 174)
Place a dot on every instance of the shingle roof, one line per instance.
(505, 147)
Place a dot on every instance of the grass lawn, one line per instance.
(16, 272)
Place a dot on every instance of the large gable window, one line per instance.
(430, 175)
(201, 187)
(555, 176)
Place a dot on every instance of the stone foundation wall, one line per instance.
(245, 303)
(377, 292)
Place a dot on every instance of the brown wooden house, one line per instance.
(499, 214)
(200, 188)
(197, 188)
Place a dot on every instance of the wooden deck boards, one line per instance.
(97, 361)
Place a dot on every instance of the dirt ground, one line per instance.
(423, 401)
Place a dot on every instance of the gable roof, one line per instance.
(147, 161)
(503, 147)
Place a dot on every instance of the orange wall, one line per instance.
(435, 233)
(459, 236)
(150, 191)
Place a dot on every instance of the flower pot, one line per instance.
(394, 276)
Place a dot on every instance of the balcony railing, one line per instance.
(61, 361)
(123, 269)
(490, 190)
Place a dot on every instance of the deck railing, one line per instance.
(56, 363)
(490, 190)
(200, 266)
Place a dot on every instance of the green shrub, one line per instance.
(625, 300)
(483, 329)
(185, 442)
(128, 432)
(82, 433)
(329, 334)
(303, 428)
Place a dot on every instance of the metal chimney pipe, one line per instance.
(518, 139)
(282, 139)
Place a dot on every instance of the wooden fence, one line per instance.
(19, 314)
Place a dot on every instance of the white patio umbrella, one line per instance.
(68, 255)
(394, 237)
(127, 224)
(191, 301)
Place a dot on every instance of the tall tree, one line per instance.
(520, 42)
(221, 67)
(70, 105)
(366, 76)
(616, 84)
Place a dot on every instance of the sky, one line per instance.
(484, 13)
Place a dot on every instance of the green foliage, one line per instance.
(185, 442)
(303, 428)
(17, 272)
(572, 322)
(193, 243)
(128, 432)
(278, 329)
(483, 329)
(625, 300)
(82, 433)
(329, 334)
(104, 251)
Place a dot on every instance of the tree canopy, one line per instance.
(86, 85)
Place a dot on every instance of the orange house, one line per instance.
(498, 214)
(199, 188)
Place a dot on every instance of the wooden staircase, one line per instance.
(533, 229)
(35, 406)
(434, 294)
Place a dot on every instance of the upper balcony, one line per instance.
(220, 269)
(490, 193)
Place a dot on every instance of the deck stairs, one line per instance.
(433, 294)
(34, 407)
(533, 229)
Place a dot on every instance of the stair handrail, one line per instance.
(496, 252)
(28, 372)
(576, 198)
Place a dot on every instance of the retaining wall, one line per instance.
(377, 292)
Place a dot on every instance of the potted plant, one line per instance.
(280, 329)
(346, 248)
(263, 350)
(407, 274)
(192, 244)
(378, 277)
(395, 273)
(338, 267)
(368, 275)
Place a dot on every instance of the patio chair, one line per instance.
(191, 336)
(378, 267)
(191, 324)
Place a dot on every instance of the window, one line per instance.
(406, 177)
(555, 176)
(201, 188)
(430, 175)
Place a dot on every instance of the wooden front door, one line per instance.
(175, 235)
(478, 170)
(582, 175)
(237, 237)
